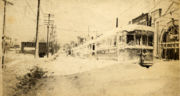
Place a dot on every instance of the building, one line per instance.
(165, 20)
(42, 48)
(166, 23)
(143, 19)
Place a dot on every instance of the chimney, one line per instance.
(117, 22)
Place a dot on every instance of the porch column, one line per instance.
(157, 37)
(135, 38)
(117, 46)
(155, 44)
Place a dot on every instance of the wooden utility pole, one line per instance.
(52, 38)
(52, 32)
(117, 22)
(37, 31)
(49, 15)
(117, 40)
(89, 37)
(55, 41)
(4, 29)
(2, 48)
(48, 26)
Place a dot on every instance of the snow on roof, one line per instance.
(131, 27)
(105, 35)
(134, 27)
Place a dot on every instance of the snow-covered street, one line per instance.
(90, 48)
(74, 76)
(112, 79)
(66, 65)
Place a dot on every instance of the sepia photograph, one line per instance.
(89, 48)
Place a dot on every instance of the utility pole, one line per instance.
(117, 22)
(52, 32)
(48, 35)
(48, 26)
(37, 31)
(4, 29)
(89, 37)
(117, 40)
(2, 48)
(55, 41)
(52, 38)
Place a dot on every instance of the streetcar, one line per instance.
(135, 43)
(132, 43)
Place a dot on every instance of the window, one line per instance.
(150, 40)
(120, 38)
(144, 39)
(130, 39)
(93, 47)
(138, 39)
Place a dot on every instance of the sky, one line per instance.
(72, 17)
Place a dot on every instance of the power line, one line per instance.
(42, 11)
(156, 4)
(33, 11)
(51, 3)
(123, 12)
(27, 3)
(160, 1)
(29, 9)
(74, 30)
(130, 7)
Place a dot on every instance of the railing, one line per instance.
(169, 45)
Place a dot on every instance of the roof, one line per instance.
(105, 35)
(133, 27)
(113, 32)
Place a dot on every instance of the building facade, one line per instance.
(165, 21)
(167, 32)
